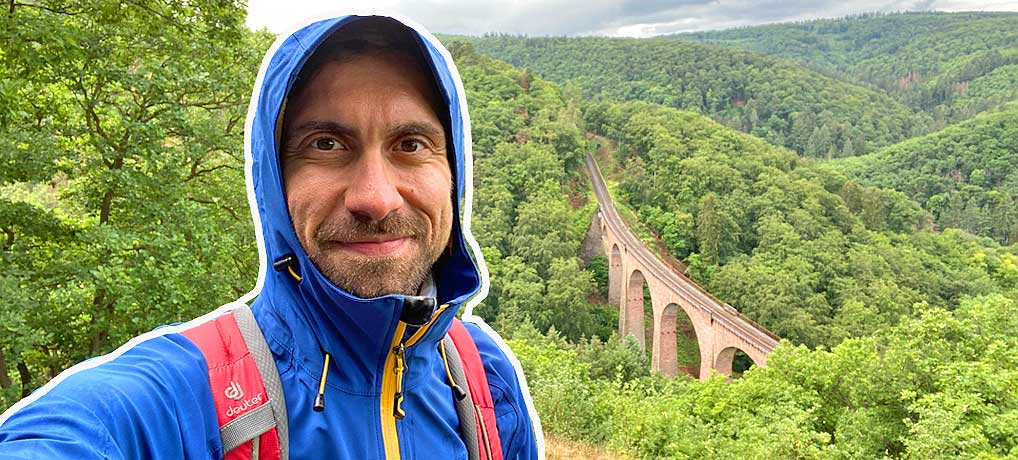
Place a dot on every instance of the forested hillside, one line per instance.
(892, 276)
(966, 175)
(812, 255)
(939, 385)
(952, 65)
(775, 100)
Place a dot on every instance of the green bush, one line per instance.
(562, 390)
(613, 358)
(941, 385)
(598, 266)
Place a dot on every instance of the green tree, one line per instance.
(566, 305)
(135, 146)
(544, 229)
(520, 294)
(711, 225)
(820, 142)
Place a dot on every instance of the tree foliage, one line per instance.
(122, 205)
(939, 385)
(965, 175)
(528, 143)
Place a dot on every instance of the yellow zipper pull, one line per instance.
(397, 410)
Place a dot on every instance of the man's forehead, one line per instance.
(385, 65)
(372, 67)
(365, 37)
(366, 81)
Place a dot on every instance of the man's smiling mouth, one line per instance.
(375, 247)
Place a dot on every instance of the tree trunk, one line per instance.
(101, 309)
(26, 379)
(101, 306)
(104, 211)
(5, 379)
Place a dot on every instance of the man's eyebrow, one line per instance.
(413, 127)
(293, 135)
(319, 125)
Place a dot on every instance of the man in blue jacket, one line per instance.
(358, 167)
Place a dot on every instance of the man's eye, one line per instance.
(325, 143)
(411, 146)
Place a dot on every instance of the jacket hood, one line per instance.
(311, 306)
(458, 276)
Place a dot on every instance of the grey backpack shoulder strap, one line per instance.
(259, 349)
(465, 406)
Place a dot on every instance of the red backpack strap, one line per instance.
(246, 391)
(489, 446)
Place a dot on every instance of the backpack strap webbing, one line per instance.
(464, 407)
(485, 428)
(245, 387)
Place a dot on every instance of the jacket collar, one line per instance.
(357, 333)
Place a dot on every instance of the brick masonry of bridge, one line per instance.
(720, 330)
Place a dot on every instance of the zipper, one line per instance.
(392, 382)
(397, 398)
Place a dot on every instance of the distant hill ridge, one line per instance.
(953, 65)
(966, 175)
(774, 99)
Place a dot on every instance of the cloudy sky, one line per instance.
(631, 18)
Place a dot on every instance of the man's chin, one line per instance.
(372, 290)
(376, 276)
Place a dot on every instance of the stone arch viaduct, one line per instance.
(720, 329)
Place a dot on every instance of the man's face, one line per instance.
(367, 180)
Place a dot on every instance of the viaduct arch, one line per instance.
(720, 329)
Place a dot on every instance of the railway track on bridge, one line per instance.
(720, 312)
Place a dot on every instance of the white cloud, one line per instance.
(634, 18)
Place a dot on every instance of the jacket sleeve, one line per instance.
(133, 405)
(517, 428)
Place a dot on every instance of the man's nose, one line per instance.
(373, 192)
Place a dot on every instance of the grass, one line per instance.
(560, 448)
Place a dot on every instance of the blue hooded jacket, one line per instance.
(151, 398)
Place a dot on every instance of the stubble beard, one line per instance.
(367, 276)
